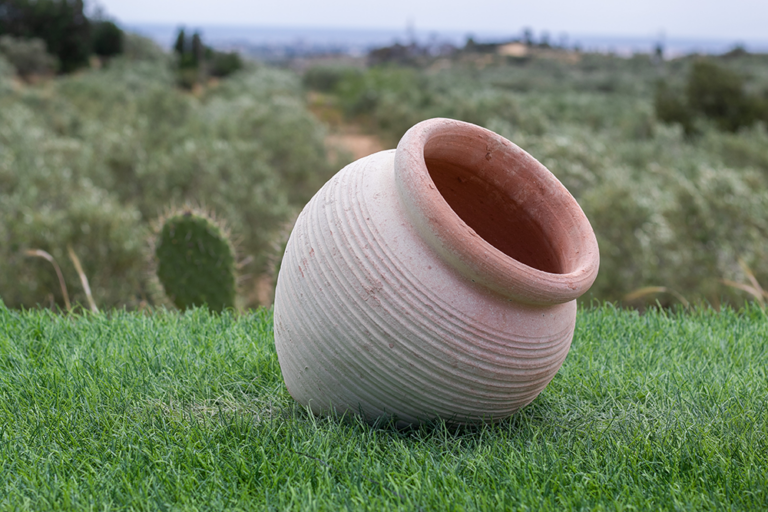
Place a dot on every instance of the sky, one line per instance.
(736, 20)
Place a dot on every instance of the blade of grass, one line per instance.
(753, 288)
(752, 279)
(648, 290)
(83, 278)
(755, 292)
(39, 253)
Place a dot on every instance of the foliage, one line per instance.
(671, 107)
(668, 210)
(660, 411)
(138, 48)
(46, 203)
(93, 158)
(327, 78)
(106, 39)
(195, 260)
(712, 92)
(665, 212)
(60, 23)
(196, 62)
(28, 56)
(223, 64)
(7, 72)
(718, 94)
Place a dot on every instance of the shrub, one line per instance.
(248, 150)
(327, 78)
(7, 72)
(666, 211)
(28, 56)
(45, 204)
(718, 94)
(223, 64)
(672, 107)
(711, 92)
(136, 47)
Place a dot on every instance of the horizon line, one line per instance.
(662, 36)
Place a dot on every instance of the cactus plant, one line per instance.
(195, 260)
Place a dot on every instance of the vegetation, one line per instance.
(28, 56)
(60, 23)
(712, 92)
(43, 36)
(106, 39)
(195, 260)
(196, 62)
(167, 409)
(672, 176)
(664, 411)
(89, 160)
(670, 211)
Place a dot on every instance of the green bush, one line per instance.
(669, 210)
(711, 92)
(327, 78)
(7, 73)
(45, 204)
(139, 48)
(718, 94)
(672, 107)
(28, 56)
(666, 211)
(248, 150)
(223, 64)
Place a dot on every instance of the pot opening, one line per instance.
(501, 200)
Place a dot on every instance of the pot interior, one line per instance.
(502, 199)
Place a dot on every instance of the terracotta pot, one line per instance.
(437, 280)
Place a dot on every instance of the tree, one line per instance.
(196, 61)
(198, 51)
(60, 23)
(179, 46)
(528, 37)
(106, 39)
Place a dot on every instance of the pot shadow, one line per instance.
(539, 416)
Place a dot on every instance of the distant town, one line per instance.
(277, 44)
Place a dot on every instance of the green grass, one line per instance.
(188, 412)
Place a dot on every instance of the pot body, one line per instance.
(379, 311)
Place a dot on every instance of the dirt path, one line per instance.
(343, 136)
(345, 142)
(358, 145)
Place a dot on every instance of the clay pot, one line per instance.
(437, 280)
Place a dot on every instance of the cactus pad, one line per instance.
(195, 261)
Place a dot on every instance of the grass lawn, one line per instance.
(189, 412)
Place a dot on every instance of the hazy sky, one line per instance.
(711, 19)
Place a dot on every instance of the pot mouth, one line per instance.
(494, 213)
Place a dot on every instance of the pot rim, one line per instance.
(498, 160)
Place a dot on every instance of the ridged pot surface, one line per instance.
(437, 280)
